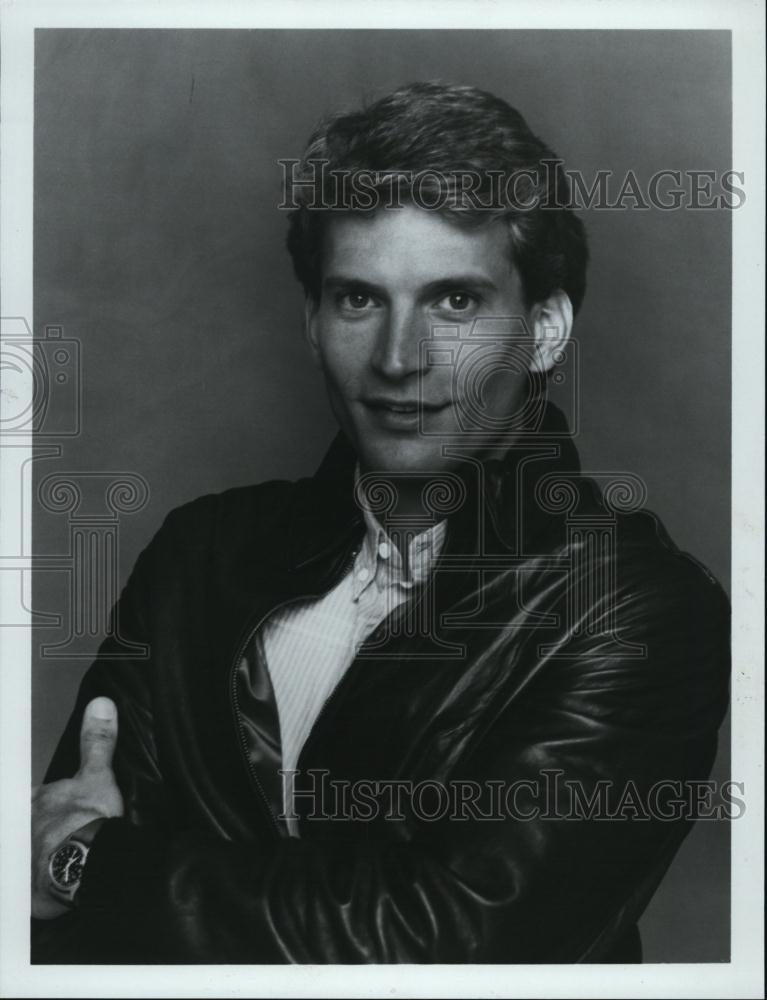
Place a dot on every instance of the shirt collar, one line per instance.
(380, 561)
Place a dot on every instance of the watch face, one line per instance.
(66, 866)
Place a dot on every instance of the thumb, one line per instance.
(98, 735)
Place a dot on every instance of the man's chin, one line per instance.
(405, 459)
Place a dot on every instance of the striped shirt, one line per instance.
(308, 645)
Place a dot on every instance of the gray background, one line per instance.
(159, 247)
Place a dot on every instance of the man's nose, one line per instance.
(398, 349)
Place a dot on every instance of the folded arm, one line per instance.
(546, 888)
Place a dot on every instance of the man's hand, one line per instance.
(62, 807)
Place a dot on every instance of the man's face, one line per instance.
(387, 281)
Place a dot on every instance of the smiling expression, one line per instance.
(388, 280)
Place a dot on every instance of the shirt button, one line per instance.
(384, 551)
(363, 574)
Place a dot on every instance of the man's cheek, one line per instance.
(340, 366)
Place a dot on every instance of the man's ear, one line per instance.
(311, 332)
(552, 321)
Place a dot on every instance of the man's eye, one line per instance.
(457, 302)
(356, 300)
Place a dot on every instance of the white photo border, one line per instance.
(743, 975)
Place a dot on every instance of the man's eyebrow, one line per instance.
(351, 281)
(479, 282)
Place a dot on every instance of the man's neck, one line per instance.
(400, 504)
(399, 499)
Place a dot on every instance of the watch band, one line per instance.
(67, 862)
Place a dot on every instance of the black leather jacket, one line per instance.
(566, 642)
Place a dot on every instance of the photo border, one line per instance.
(742, 976)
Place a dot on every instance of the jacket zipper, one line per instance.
(235, 702)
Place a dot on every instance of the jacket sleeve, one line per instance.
(552, 879)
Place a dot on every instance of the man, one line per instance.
(439, 702)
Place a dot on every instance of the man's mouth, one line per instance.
(402, 416)
(403, 406)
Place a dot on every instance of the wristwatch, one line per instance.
(67, 863)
